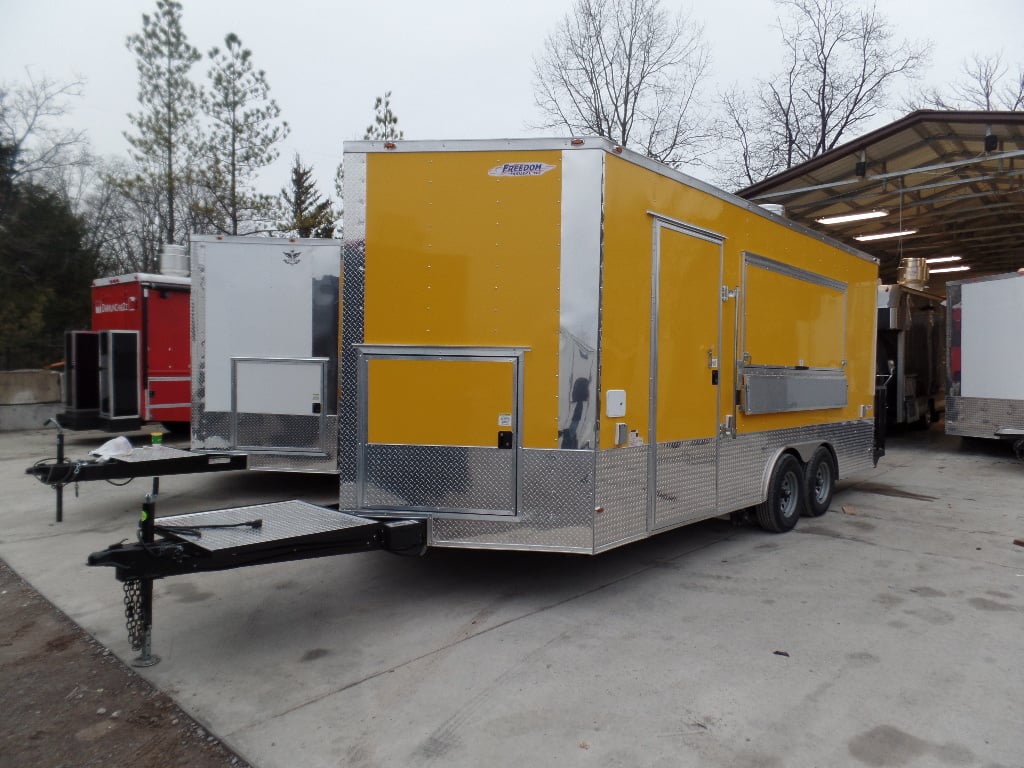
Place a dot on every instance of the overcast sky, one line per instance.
(456, 69)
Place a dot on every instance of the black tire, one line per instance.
(820, 482)
(779, 512)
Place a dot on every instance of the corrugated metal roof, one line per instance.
(933, 172)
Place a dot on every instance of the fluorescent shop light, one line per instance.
(852, 217)
(885, 235)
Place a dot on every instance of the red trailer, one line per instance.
(133, 365)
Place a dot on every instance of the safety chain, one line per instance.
(133, 613)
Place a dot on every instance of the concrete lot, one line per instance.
(889, 632)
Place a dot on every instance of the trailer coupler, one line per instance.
(225, 539)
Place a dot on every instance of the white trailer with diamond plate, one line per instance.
(985, 386)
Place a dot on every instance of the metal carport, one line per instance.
(953, 181)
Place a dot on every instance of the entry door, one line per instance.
(82, 382)
(440, 430)
(686, 334)
(119, 374)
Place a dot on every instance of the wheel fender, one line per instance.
(803, 451)
(766, 473)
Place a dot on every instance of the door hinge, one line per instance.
(729, 428)
(729, 294)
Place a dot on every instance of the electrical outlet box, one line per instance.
(615, 403)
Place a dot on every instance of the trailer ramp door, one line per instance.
(440, 431)
(686, 337)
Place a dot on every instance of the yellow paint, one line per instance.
(792, 322)
(819, 338)
(689, 304)
(457, 257)
(438, 402)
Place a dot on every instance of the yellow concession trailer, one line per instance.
(561, 345)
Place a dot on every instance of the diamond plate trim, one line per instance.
(744, 462)
(622, 493)
(981, 416)
(439, 477)
(280, 520)
(353, 331)
(556, 509)
(217, 426)
(686, 482)
(278, 432)
(197, 340)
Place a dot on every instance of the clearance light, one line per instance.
(947, 269)
(885, 235)
(942, 260)
(852, 217)
(577, 142)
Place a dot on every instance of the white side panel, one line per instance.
(257, 305)
(286, 388)
(992, 314)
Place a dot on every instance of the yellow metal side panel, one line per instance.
(626, 298)
(439, 402)
(689, 303)
(455, 256)
(792, 322)
(631, 191)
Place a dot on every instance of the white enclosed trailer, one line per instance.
(264, 350)
(985, 388)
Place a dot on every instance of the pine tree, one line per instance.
(45, 275)
(245, 127)
(169, 99)
(309, 214)
(385, 122)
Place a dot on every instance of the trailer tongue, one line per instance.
(224, 539)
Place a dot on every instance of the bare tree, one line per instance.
(629, 71)
(841, 63)
(984, 83)
(123, 215)
(29, 113)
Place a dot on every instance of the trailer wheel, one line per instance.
(779, 512)
(821, 482)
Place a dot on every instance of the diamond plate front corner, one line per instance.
(555, 510)
(622, 494)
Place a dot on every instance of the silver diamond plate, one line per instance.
(353, 298)
(744, 461)
(197, 339)
(622, 493)
(981, 417)
(556, 509)
(686, 475)
(439, 477)
(278, 432)
(280, 520)
(217, 436)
